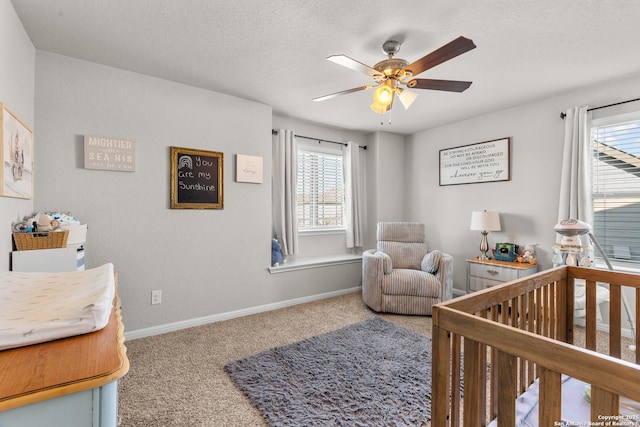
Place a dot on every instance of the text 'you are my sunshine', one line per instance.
(196, 173)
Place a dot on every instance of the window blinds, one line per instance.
(320, 190)
(616, 189)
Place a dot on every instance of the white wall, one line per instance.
(528, 203)
(205, 261)
(386, 189)
(17, 56)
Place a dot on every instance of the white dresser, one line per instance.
(484, 273)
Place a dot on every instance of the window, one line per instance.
(320, 189)
(616, 186)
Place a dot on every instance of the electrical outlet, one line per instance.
(156, 297)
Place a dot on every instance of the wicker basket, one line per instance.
(41, 240)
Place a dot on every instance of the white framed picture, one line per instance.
(248, 169)
(17, 156)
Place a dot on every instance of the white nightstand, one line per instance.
(484, 273)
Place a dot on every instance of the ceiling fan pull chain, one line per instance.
(382, 119)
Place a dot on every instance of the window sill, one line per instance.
(316, 262)
(323, 231)
(624, 268)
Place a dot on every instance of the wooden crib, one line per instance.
(491, 346)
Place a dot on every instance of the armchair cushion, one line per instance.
(431, 261)
(404, 255)
(409, 282)
(404, 242)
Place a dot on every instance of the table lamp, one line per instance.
(484, 222)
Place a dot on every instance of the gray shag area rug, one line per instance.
(369, 373)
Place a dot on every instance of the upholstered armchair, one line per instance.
(401, 275)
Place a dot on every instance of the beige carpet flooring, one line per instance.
(177, 379)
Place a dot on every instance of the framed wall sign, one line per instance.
(196, 179)
(16, 156)
(475, 163)
(109, 153)
(248, 169)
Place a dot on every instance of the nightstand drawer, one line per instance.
(482, 274)
(478, 284)
(493, 272)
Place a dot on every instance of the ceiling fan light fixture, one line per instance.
(377, 108)
(383, 95)
(406, 97)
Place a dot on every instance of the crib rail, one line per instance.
(497, 342)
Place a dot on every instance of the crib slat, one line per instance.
(538, 329)
(506, 390)
(523, 326)
(549, 405)
(615, 325)
(531, 328)
(602, 402)
(439, 380)
(544, 309)
(561, 312)
(552, 310)
(590, 332)
(456, 348)
(637, 325)
(493, 389)
(475, 359)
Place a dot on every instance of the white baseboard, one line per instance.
(458, 292)
(175, 326)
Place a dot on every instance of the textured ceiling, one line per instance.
(274, 51)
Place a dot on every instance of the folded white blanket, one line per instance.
(39, 307)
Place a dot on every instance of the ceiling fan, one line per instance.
(392, 73)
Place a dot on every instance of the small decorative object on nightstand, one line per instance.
(484, 273)
(484, 222)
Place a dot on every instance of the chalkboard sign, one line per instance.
(196, 179)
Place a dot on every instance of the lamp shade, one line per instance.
(485, 221)
(383, 95)
(380, 109)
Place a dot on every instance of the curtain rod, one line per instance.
(275, 132)
(563, 115)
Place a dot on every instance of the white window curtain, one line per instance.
(575, 183)
(283, 179)
(354, 193)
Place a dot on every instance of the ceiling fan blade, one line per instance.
(447, 85)
(345, 61)
(406, 97)
(343, 92)
(445, 53)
